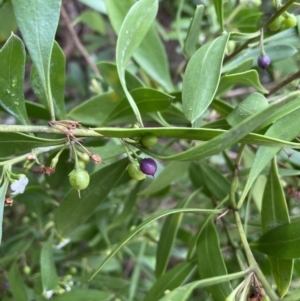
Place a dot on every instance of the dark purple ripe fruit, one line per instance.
(264, 61)
(148, 166)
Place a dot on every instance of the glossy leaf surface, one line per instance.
(274, 212)
(57, 81)
(84, 295)
(247, 78)
(38, 31)
(12, 56)
(133, 30)
(203, 70)
(211, 262)
(282, 241)
(252, 104)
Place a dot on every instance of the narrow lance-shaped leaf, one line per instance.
(134, 28)
(170, 280)
(57, 80)
(37, 21)
(190, 44)
(286, 128)
(16, 283)
(147, 221)
(248, 78)
(150, 55)
(218, 4)
(12, 57)
(183, 293)
(282, 241)
(202, 76)
(275, 212)
(48, 269)
(167, 238)
(211, 262)
(101, 183)
(252, 104)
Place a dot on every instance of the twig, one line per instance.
(284, 83)
(77, 42)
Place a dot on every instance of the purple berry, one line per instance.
(264, 61)
(148, 166)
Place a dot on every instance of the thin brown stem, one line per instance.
(284, 83)
(77, 42)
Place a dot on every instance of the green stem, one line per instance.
(252, 262)
(235, 179)
(279, 12)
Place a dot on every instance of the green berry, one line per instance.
(26, 270)
(276, 24)
(79, 179)
(81, 164)
(290, 21)
(149, 140)
(85, 157)
(135, 172)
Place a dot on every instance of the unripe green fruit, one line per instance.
(81, 164)
(149, 140)
(135, 172)
(85, 158)
(290, 21)
(79, 179)
(276, 24)
(26, 270)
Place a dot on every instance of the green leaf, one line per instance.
(12, 57)
(167, 237)
(170, 280)
(8, 22)
(150, 55)
(218, 4)
(282, 241)
(275, 212)
(217, 184)
(101, 183)
(48, 269)
(169, 174)
(38, 20)
(211, 262)
(286, 128)
(247, 78)
(82, 294)
(57, 80)
(147, 100)
(145, 223)
(3, 190)
(16, 283)
(275, 52)
(95, 110)
(183, 293)
(93, 20)
(133, 30)
(37, 110)
(190, 44)
(14, 143)
(242, 67)
(191, 133)
(252, 104)
(202, 76)
(109, 73)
